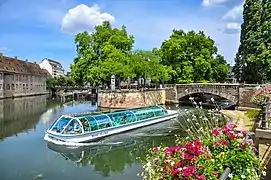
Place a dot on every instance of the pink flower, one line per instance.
(197, 143)
(155, 149)
(192, 169)
(224, 142)
(242, 145)
(186, 172)
(188, 156)
(215, 132)
(232, 135)
(249, 141)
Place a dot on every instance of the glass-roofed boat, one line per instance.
(87, 127)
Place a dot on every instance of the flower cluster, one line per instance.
(262, 95)
(204, 158)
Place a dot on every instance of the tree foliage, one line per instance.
(253, 59)
(183, 58)
(56, 81)
(108, 51)
(192, 58)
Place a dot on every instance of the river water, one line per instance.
(25, 155)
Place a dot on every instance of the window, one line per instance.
(1, 76)
(8, 86)
(16, 86)
(0, 86)
(13, 87)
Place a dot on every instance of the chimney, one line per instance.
(26, 60)
(16, 57)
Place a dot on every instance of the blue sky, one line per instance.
(36, 29)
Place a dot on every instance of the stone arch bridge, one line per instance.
(240, 94)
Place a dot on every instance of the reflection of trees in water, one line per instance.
(20, 114)
(114, 158)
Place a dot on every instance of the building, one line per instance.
(21, 78)
(53, 67)
(231, 78)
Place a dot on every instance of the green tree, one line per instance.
(253, 59)
(191, 56)
(99, 55)
(220, 69)
(147, 64)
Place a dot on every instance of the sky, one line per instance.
(38, 29)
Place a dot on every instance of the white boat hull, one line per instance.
(93, 136)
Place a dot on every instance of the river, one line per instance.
(24, 154)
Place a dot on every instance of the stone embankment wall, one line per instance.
(130, 98)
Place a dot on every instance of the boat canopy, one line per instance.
(93, 122)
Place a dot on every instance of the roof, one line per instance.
(14, 65)
(52, 61)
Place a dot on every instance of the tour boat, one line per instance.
(88, 127)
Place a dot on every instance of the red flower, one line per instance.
(155, 149)
(188, 156)
(192, 169)
(215, 132)
(224, 142)
(197, 143)
(232, 135)
(186, 172)
(188, 146)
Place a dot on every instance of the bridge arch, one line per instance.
(231, 97)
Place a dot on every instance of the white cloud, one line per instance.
(212, 2)
(235, 14)
(83, 17)
(232, 28)
(233, 19)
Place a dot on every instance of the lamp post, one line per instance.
(148, 60)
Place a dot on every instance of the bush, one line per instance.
(204, 153)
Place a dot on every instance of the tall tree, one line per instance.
(102, 53)
(192, 56)
(252, 62)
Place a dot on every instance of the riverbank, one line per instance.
(246, 119)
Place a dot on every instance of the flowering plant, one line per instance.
(211, 145)
(262, 95)
(204, 158)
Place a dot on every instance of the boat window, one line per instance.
(159, 111)
(59, 125)
(120, 118)
(93, 123)
(144, 114)
(86, 124)
(73, 127)
(103, 121)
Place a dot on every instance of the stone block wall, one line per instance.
(130, 98)
(245, 95)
